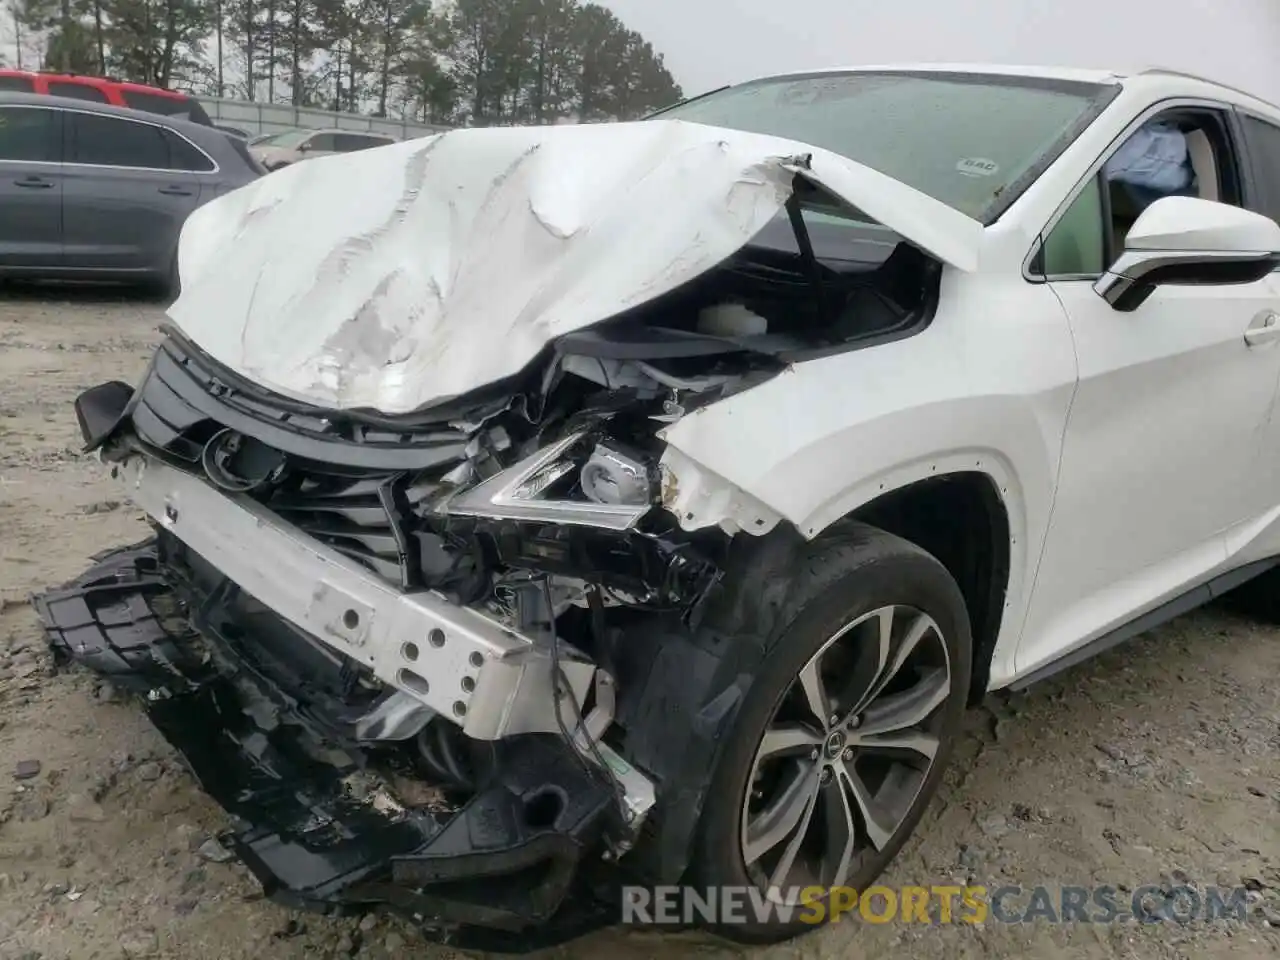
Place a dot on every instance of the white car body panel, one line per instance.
(394, 278)
(985, 388)
(1168, 435)
(1001, 353)
(1137, 454)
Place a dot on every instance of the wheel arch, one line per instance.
(902, 502)
(962, 519)
(948, 505)
(967, 501)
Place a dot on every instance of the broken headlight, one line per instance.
(571, 482)
(610, 476)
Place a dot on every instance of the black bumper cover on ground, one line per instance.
(488, 874)
(236, 696)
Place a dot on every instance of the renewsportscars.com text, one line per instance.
(683, 906)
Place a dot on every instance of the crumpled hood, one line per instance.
(395, 278)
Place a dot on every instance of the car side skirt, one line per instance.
(1184, 603)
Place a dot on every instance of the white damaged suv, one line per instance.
(542, 509)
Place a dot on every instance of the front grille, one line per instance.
(352, 515)
(186, 398)
(337, 478)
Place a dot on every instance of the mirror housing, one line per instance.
(304, 146)
(1186, 240)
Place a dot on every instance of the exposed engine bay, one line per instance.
(557, 470)
(436, 660)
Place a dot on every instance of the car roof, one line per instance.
(146, 88)
(57, 76)
(88, 106)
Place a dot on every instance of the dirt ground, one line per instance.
(1158, 763)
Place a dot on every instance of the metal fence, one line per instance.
(255, 118)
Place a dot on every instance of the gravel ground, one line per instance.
(1158, 763)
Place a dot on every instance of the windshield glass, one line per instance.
(962, 139)
(290, 138)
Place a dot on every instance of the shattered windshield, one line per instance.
(972, 141)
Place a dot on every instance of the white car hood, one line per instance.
(392, 279)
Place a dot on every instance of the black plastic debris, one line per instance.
(26, 769)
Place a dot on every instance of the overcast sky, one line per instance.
(711, 42)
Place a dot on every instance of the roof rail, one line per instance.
(50, 72)
(1186, 75)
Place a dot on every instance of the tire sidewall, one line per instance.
(906, 577)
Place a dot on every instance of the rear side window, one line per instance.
(154, 103)
(197, 114)
(17, 84)
(31, 134)
(348, 142)
(184, 156)
(1264, 145)
(242, 149)
(77, 91)
(115, 142)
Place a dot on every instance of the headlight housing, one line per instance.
(616, 490)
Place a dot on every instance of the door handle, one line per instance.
(1264, 328)
(33, 183)
(176, 191)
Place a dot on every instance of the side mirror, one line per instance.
(304, 147)
(1185, 240)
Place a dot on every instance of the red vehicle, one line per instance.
(120, 93)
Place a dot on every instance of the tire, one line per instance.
(832, 585)
(1258, 598)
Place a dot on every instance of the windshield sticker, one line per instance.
(977, 167)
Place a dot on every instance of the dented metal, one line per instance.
(420, 490)
(479, 674)
(397, 278)
(698, 499)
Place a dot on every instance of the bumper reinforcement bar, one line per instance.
(468, 668)
(330, 826)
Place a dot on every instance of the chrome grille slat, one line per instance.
(362, 515)
(389, 570)
(380, 543)
(344, 513)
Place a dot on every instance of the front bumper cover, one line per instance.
(320, 823)
(252, 691)
(497, 683)
(244, 637)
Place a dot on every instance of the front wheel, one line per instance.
(842, 739)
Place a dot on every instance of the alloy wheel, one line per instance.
(846, 753)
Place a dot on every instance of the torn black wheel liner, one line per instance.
(486, 873)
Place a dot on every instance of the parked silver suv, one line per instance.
(282, 149)
(95, 192)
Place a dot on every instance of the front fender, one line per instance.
(987, 387)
